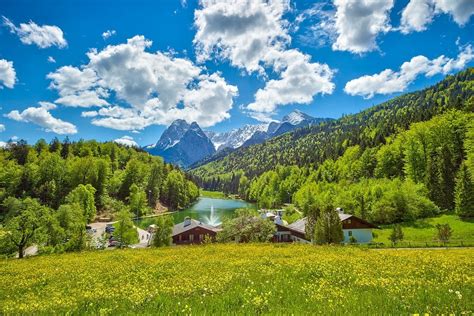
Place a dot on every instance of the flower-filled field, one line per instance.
(242, 279)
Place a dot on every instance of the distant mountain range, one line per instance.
(185, 144)
(255, 134)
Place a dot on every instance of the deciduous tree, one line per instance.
(163, 231)
(125, 232)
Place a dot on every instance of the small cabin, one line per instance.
(192, 232)
(359, 229)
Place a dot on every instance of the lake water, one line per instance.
(208, 210)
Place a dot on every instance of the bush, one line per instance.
(444, 232)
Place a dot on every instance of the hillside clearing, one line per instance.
(218, 279)
(424, 231)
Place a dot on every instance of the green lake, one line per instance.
(208, 210)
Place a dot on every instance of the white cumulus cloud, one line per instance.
(41, 117)
(126, 141)
(42, 36)
(240, 31)
(51, 60)
(253, 36)
(418, 14)
(359, 22)
(348, 25)
(389, 81)
(460, 10)
(7, 74)
(299, 82)
(2, 128)
(77, 88)
(154, 88)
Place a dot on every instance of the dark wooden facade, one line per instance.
(194, 235)
(354, 222)
(284, 234)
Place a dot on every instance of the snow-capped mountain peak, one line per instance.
(236, 137)
(296, 117)
(183, 144)
(172, 134)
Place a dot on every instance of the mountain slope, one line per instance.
(312, 145)
(182, 144)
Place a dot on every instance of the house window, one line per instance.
(349, 233)
(200, 237)
(191, 238)
(179, 237)
(348, 221)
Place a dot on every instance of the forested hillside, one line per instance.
(49, 192)
(418, 173)
(49, 172)
(310, 147)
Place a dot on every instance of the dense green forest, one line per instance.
(54, 189)
(407, 158)
(419, 173)
(311, 146)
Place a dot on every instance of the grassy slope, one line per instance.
(213, 194)
(243, 279)
(424, 230)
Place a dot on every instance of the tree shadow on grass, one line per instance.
(467, 219)
(421, 223)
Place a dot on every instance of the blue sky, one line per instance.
(221, 63)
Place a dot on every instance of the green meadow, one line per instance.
(423, 231)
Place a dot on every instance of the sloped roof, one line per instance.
(300, 224)
(180, 228)
(343, 217)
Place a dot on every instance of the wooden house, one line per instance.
(352, 226)
(192, 232)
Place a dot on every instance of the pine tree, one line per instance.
(446, 178)
(432, 179)
(155, 180)
(65, 148)
(55, 146)
(328, 228)
(464, 193)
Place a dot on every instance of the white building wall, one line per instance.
(363, 235)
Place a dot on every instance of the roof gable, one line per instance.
(180, 228)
